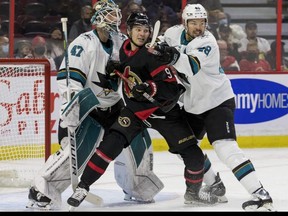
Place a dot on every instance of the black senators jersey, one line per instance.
(141, 66)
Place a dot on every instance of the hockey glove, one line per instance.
(111, 66)
(146, 87)
(168, 55)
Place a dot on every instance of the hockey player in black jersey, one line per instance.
(151, 92)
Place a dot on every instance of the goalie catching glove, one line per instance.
(165, 53)
(111, 66)
(147, 87)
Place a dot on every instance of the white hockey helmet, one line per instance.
(194, 11)
(104, 11)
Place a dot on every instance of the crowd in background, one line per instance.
(241, 49)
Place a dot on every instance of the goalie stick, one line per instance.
(92, 198)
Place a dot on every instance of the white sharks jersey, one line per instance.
(199, 62)
(87, 61)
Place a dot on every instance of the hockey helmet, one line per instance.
(107, 15)
(138, 19)
(194, 11)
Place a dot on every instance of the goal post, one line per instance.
(25, 116)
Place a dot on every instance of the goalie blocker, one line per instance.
(133, 168)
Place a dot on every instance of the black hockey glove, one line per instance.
(168, 55)
(111, 66)
(139, 89)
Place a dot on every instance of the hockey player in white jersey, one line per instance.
(209, 102)
(88, 55)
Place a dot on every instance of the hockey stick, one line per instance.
(92, 198)
(71, 134)
(155, 33)
(145, 94)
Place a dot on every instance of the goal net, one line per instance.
(25, 135)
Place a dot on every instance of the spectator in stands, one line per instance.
(225, 33)
(251, 62)
(131, 7)
(209, 5)
(24, 49)
(237, 31)
(176, 5)
(271, 57)
(228, 62)
(39, 50)
(218, 18)
(82, 25)
(251, 32)
(163, 27)
(4, 46)
(157, 10)
(123, 3)
(55, 46)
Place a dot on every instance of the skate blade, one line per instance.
(198, 204)
(265, 208)
(132, 199)
(34, 205)
(30, 204)
(222, 199)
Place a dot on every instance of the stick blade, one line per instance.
(155, 32)
(94, 199)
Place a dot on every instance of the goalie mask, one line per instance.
(194, 11)
(107, 15)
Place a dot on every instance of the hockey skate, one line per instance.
(38, 200)
(79, 195)
(260, 201)
(217, 189)
(203, 199)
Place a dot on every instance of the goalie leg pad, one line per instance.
(54, 177)
(133, 170)
(78, 108)
(147, 187)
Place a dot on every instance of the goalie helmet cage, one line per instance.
(25, 134)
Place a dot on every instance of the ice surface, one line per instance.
(271, 165)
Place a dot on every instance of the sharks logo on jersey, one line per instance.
(107, 85)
